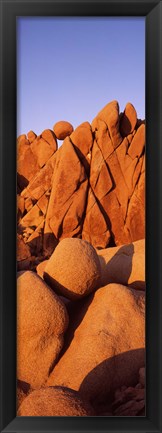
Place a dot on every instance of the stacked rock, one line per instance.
(92, 187)
(81, 257)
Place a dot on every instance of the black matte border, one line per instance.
(152, 10)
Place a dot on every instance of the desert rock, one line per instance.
(62, 129)
(73, 270)
(23, 254)
(41, 322)
(68, 194)
(124, 265)
(31, 136)
(41, 268)
(107, 349)
(55, 401)
(128, 120)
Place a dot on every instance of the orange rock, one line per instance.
(62, 129)
(124, 265)
(41, 268)
(33, 218)
(110, 115)
(23, 254)
(20, 206)
(73, 270)
(42, 150)
(31, 136)
(68, 195)
(128, 120)
(42, 181)
(138, 143)
(95, 229)
(115, 179)
(55, 401)
(135, 220)
(50, 137)
(41, 322)
(27, 164)
(35, 239)
(107, 349)
(82, 140)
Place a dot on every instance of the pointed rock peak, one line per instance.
(128, 120)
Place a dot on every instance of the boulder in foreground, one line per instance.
(55, 401)
(73, 270)
(107, 349)
(41, 322)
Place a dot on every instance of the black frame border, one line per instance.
(152, 11)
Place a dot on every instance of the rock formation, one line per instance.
(81, 263)
(92, 187)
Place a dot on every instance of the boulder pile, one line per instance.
(81, 268)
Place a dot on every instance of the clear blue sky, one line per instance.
(69, 68)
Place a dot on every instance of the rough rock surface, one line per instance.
(23, 254)
(124, 265)
(55, 401)
(62, 129)
(68, 195)
(107, 348)
(73, 270)
(41, 322)
(116, 193)
(33, 153)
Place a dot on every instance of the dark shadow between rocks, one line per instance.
(125, 126)
(22, 182)
(76, 312)
(121, 370)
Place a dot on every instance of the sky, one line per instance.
(69, 68)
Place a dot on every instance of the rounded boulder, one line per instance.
(73, 270)
(62, 129)
(41, 322)
(55, 401)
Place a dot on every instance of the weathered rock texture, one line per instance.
(55, 401)
(107, 348)
(92, 187)
(42, 320)
(73, 269)
(124, 265)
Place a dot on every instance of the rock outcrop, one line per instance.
(92, 187)
(81, 263)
